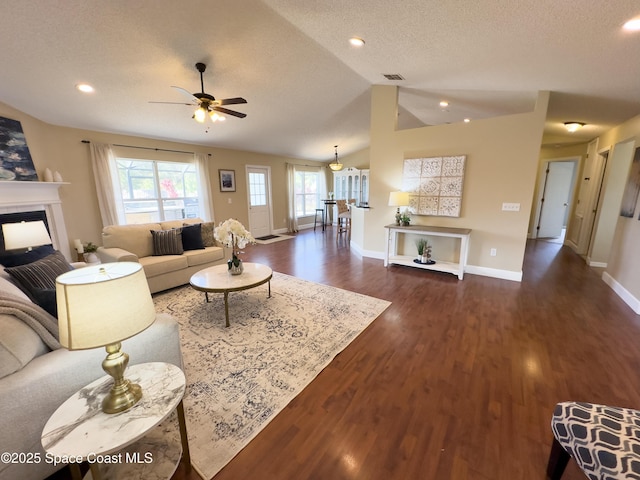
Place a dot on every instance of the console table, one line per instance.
(391, 251)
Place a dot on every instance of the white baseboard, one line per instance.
(622, 292)
(494, 272)
(597, 264)
(366, 253)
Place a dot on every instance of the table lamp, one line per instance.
(25, 235)
(398, 199)
(100, 306)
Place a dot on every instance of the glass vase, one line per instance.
(235, 269)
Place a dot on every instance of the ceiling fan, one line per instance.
(207, 104)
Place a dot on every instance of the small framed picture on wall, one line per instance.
(227, 180)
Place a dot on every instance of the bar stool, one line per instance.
(315, 218)
(344, 219)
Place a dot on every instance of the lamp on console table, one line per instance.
(25, 235)
(398, 199)
(102, 305)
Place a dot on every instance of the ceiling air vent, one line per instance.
(393, 76)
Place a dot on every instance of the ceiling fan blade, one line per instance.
(229, 112)
(232, 101)
(186, 94)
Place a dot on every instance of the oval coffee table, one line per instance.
(217, 279)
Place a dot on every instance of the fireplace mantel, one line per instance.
(28, 196)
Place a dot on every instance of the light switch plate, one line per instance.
(510, 207)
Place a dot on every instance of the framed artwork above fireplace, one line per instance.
(15, 160)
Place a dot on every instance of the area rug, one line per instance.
(272, 239)
(239, 378)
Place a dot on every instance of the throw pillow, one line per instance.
(192, 237)
(16, 259)
(40, 274)
(207, 229)
(167, 242)
(45, 298)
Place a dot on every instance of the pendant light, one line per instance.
(335, 165)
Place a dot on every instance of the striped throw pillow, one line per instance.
(167, 242)
(41, 274)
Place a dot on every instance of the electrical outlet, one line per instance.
(510, 207)
(493, 252)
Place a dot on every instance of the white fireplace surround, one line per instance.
(17, 197)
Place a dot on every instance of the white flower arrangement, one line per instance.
(231, 233)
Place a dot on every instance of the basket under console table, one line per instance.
(391, 251)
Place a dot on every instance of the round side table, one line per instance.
(80, 431)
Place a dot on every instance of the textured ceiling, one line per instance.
(307, 88)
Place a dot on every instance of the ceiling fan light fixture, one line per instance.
(336, 166)
(216, 117)
(200, 114)
(573, 126)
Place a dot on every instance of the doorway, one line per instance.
(582, 225)
(556, 190)
(259, 191)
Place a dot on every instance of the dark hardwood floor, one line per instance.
(456, 379)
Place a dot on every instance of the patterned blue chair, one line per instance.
(604, 441)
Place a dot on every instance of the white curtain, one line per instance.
(322, 186)
(102, 160)
(202, 161)
(292, 221)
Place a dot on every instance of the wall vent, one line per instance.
(393, 76)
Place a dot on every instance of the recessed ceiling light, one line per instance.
(467, 120)
(444, 103)
(85, 88)
(356, 41)
(632, 25)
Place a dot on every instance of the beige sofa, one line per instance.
(134, 243)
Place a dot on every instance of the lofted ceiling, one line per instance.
(307, 88)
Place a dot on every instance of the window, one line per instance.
(257, 189)
(307, 193)
(154, 191)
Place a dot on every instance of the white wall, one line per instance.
(623, 261)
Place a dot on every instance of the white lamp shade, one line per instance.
(25, 235)
(398, 199)
(103, 304)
